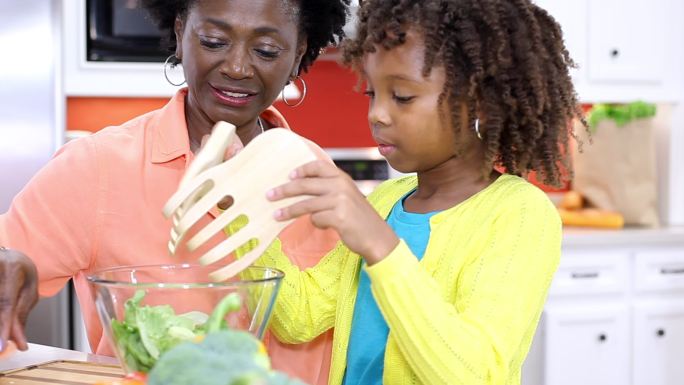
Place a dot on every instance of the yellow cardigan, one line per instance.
(465, 314)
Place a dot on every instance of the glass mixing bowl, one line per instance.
(146, 310)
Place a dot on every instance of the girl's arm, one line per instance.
(474, 338)
(499, 299)
(307, 300)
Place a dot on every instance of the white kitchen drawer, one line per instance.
(659, 270)
(591, 272)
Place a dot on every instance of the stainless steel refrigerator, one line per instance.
(32, 127)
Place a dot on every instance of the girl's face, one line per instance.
(238, 55)
(412, 129)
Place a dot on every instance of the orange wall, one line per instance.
(93, 114)
(333, 114)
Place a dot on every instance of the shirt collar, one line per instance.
(170, 131)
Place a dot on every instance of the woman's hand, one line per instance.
(337, 203)
(18, 295)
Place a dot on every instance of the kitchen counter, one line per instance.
(627, 237)
(38, 354)
(572, 237)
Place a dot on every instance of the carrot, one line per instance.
(572, 200)
(592, 218)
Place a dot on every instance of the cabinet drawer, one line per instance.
(592, 272)
(659, 270)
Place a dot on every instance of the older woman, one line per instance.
(97, 203)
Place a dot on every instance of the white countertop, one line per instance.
(629, 237)
(38, 354)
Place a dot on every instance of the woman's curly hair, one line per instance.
(504, 59)
(321, 21)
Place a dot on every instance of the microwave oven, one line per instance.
(121, 31)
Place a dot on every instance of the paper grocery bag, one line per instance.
(617, 171)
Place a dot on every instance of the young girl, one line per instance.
(440, 277)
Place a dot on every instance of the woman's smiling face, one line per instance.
(238, 55)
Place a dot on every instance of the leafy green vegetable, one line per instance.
(128, 340)
(620, 113)
(148, 331)
(227, 305)
(154, 324)
(197, 317)
(226, 357)
(154, 339)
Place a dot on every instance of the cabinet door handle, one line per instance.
(672, 271)
(660, 332)
(587, 275)
(602, 338)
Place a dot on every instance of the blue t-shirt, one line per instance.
(369, 331)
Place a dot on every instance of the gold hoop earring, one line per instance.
(301, 100)
(166, 75)
(477, 129)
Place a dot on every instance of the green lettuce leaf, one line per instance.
(148, 331)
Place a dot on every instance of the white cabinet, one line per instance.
(587, 345)
(588, 342)
(627, 40)
(626, 49)
(658, 327)
(658, 343)
(572, 16)
(615, 312)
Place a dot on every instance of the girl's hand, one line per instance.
(336, 203)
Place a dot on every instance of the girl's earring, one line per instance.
(477, 129)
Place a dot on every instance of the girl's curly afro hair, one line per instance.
(505, 61)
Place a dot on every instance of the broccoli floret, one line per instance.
(227, 357)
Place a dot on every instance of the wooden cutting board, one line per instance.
(62, 372)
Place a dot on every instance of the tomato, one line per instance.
(136, 376)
